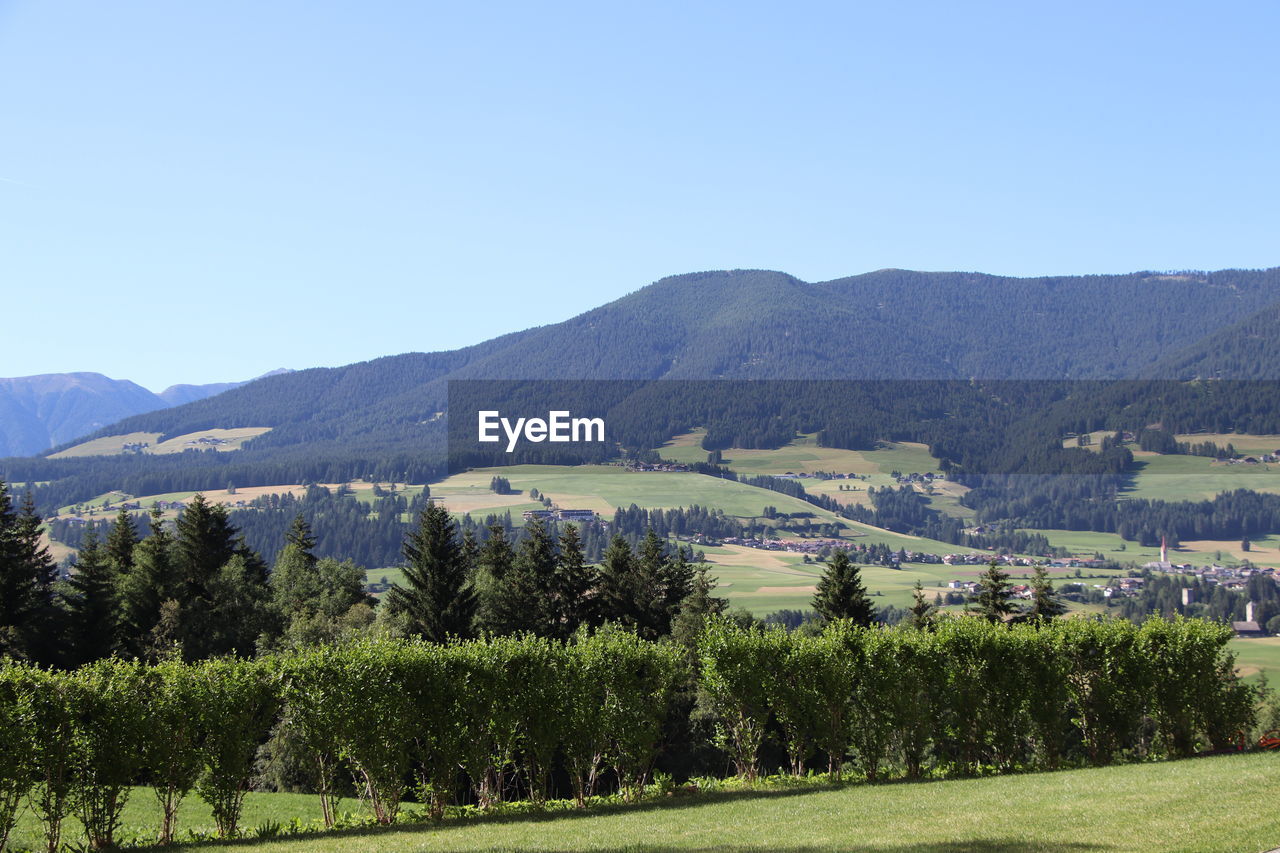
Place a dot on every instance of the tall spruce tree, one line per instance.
(698, 606)
(994, 592)
(923, 614)
(841, 593)
(1045, 603)
(28, 615)
(205, 543)
(616, 595)
(294, 581)
(498, 610)
(92, 609)
(438, 598)
(574, 582)
(144, 590)
(120, 543)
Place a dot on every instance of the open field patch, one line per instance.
(1243, 442)
(108, 445)
(209, 439)
(1257, 656)
(1194, 478)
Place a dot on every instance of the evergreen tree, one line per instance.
(28, 616)
(205, 543)
(993, 594)
(699, 606)
(1045, 603)
(533, 578)
(677, 581)
(439, 598)
(92, 612)
(294, 581)
(499, 608)
(617, 583)
(923, 614)
(574, 581)
(649, 588)
(143, 591)
(120, 543)
(841, 593)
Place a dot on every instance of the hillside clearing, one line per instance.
(221, 440)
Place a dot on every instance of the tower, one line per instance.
(1164, 549)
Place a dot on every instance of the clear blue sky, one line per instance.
(202, 191)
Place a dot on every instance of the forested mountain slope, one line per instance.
(742, 324)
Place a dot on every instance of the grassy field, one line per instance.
(1257, 656)
(765, 581)
(1207, 805)
(1193, 478)
(604, 488)
(1265, 550)
(227, 439)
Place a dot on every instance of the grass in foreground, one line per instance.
(1224, 803)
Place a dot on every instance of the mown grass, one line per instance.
(1222, 803)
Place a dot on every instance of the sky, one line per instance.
(205, 191)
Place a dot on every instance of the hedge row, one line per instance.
(494, 719)
(973, 696)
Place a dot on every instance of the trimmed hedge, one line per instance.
(520, 717)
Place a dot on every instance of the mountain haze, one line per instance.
(41, 412)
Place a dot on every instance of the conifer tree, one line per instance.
(120, 543)
(841, 593)
(923, 614)
(294, 582)
(28, 615)
(617, 583)
(1045, 603)
(143, 591)
(649, 589)
(439, 598)
(699, 606)
(92, 611)
(574, 581)
(497, 611)
(993, 594)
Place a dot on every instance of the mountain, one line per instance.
(40, 412)
(329, 424)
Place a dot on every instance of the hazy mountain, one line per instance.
(40, 412)
(176, 395)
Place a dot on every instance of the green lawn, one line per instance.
(1223, 803)
(142, 817)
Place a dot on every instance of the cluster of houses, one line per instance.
(577, 516)
(798, 546)
(656, 466)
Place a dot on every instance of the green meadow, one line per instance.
(1257, 656)
(1195, 478)
(1219, 804)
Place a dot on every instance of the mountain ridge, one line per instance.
(762, 324)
